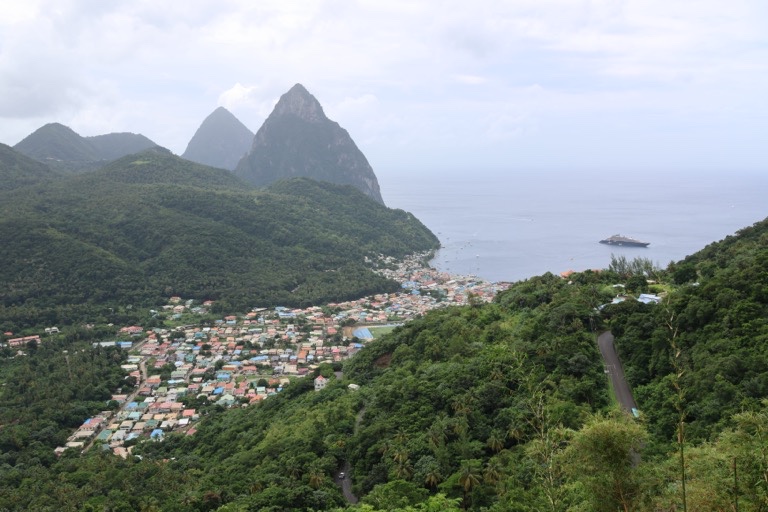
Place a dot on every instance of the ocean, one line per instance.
(509, 226)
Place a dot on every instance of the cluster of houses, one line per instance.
(242, 360)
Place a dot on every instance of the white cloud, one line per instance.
(241, 96)
(471, 79)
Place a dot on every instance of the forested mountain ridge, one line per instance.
(153, 224)
(298, 140)
(64, 150)
(220, 141)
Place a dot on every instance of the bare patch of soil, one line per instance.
(383, 361)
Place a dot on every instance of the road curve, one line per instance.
(616, 372)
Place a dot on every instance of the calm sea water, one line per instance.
(512, 226)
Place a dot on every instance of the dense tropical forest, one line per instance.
(106, 245)
(503, 406)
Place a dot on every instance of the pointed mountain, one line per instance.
(18, 170)
(221, 141)
(297, 139)
(65, 150)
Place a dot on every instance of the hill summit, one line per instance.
(298, 140)
(63, 149)
(221, 141)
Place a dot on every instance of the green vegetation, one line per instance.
(497, 407)
(378, 332)
(718, 318)
(48, 393)
(19, 171)
(152, 225)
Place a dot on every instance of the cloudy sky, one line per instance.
(445, 84)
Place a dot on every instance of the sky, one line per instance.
(421, 86)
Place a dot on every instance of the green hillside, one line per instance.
(18, 170)
(152, 225)
(718, 319)
(497, 407)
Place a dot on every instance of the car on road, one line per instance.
(342, 476)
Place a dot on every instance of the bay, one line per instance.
(510, 226)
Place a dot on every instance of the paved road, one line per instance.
(616, 372)
(346, 482)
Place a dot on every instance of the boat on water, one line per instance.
(624, 240)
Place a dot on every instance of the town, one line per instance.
(241, 360)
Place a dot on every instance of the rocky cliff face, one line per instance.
(297, 139)
(221, 141)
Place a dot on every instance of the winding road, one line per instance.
(615, 371)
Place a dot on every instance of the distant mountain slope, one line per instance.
(153, 224)
(221, 141)
(114, 145)
(159, 166)
(64, 150)
(297, 139)
(18, 170)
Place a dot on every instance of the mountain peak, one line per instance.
(221, 141)
(300, 103)
(298, 140)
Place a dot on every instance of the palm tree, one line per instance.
(404, 470)
(496, 441)
(461, 425)
(293, 469)
(436, 434)
(493, 472)
(433, 477)
(469, 478)
(515, 432)
(461, 406)
(401, 437)
(401, 455)
(316, 478)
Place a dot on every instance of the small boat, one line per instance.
(624, 240)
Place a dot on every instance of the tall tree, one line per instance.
(603, 456)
